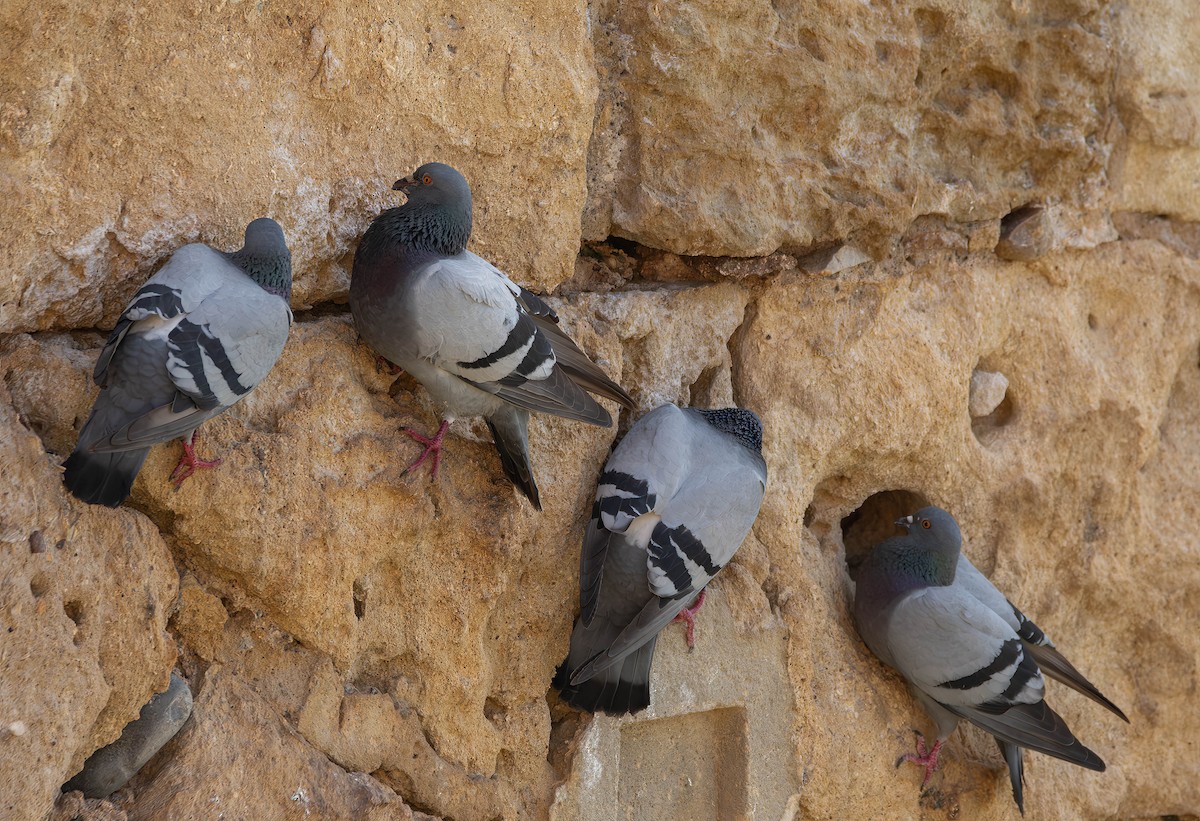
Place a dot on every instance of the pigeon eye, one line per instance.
(427, 179)
(925, 523)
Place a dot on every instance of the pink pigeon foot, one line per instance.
(432, 446)
(688, 616)
(189, 463)
(928, 760)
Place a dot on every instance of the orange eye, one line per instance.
(925, 523)
(427, 179)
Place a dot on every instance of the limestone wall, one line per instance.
(831, 212)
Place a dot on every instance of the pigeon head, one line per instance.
(933, 543)
(933, 524)
(744, 424)
(437, 216)
(265, 257)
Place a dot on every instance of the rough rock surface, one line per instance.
(889, 199)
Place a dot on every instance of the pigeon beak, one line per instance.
(906, 522)
(403, 184)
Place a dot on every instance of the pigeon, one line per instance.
(480, 344)
(965, 650)
(675, 500)
(197, 337)
(111, 767)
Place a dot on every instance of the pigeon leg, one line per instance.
(433, 445)
(189, 463)
(385, 366)
(688, 616)
(927, 759)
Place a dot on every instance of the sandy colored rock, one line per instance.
(1158, 92)
(852, 167)
(72, 806)
(200, 619)
(1050, 504)
(250, 785)
(710, 745)
(988, 389)
(110, 768)
(731, 128)
(84, 603)
(126, 132)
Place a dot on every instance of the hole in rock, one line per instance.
(700, 394)
(1093, 323)
(1010, 221)
(360, 598)
(493, 710)
(628, 246)
(990, 404)
(38, 586)
(74, 611)
(810, 514)
(37, 542)
(875, 520)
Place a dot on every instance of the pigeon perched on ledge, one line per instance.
(676, 499)
(966, 651)
(197, 337)
(479, 343)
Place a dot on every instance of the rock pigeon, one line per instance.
(676, 499)
(479, 343)
(966, 651)
(110, 768)
(197, 337)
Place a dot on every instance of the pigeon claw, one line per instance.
(433, 447)
(923, 758)
(189, 463)
(688, 616)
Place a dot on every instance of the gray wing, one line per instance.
(1036, 727)
(690, 495)
(959, 652)
(1037, 644)
(574, 361)
(220, 334)
(472, 324)
(965, 657)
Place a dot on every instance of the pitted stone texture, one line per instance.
(85, 593)
(266, 769)
(1157, 90)
(417, 588)
(734, 128)
(127, 131)
(1061, 507)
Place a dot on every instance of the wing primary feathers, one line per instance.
(510, 433)
(1035, 727)
(1055, 665)
(1015, 758)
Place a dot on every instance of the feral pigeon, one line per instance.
(197, 337)
(675, 500)
(110, 768)
(966, 651)
(479, 343)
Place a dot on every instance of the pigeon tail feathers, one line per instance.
(1015, 757)
(622, 688)
(103, 478)
(510, 432)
